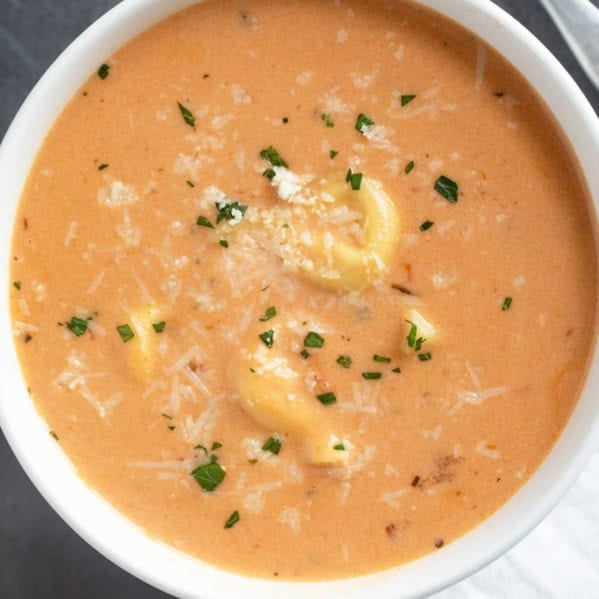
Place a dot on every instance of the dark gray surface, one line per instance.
(40, 557)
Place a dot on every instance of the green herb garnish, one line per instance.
(103, 166)
(273, 157)
(77, 326)
(285, 120)
(507, 303)
(216, 445)
(103, 71)
(406, 99)
(344, 361)
(397, 370)
(333, 153)
(209, 476)
(426, 225)
(447, 188)
(200, 446)
(187, 115)
(159, 326)
(167, 416)
(313, 339)
(326, 399)
(328, 119)
(226, 211)
(54, 435)
(125, 332)
(267, 337)
(304, 354)
(223, 243)
(354, 179)
(425, 357)
(273, 445)
(17, 285)
(271, 312)
(204, 222)
(378, 358)
(410, 167)
(339, 447)
(372, 376)
(172, 428)
(414, 342)
(363, 122)
(269, 174)
(190, 183)
(233, 519)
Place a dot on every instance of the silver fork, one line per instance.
(578, 21)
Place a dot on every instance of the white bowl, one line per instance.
(164, 567)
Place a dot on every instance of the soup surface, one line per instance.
(305, 289)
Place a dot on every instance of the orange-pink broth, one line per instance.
(108, 233)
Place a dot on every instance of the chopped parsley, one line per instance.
(172, 428)
(271, 312)
(339, 447)
(333, 153)
(507, 303)
(328, 119)
(326, 399)
(425, 357)
(205, 75)
(190, 183)
(304, 354)
(103, 166)
(233, 519)
(272, 155)
(410, 167)
(54, 435)
(167, 416)
(103, 71)
(344, 361)
(159, 326)
(200, 446)
(313, 339)
(17, 285)
(125, 332)
(224, 243)
(216, 445)
(269, 174)
(397, 370)
(187, 115)
(285, 120)
(77, 326)
(406, 99)
(372, 376)
(354, 179)
(227, 211)
(362, 122)
(273, 445)
(209, 476)
(426, 225)
(378, 358)
(414, 342)
(267, 337)
(204, 222)
(447, 188)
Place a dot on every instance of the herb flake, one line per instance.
(372, 376)
(363, 122)
(272, 155)
(382, 359)
(344, 361)
(313, 339)
(328, 120)
(354, 179)
(103, 166)
(223, 243)
(226, 211)
(409, 167)
(447, 188)
(507, 303)
(273, 445)
(327, 399)
(187, 115)
(426, 225)
(159, 326)
(425, 357)
(339, 447)
(17, 285)
(125, 332)
(77, 326)
(209, 476)
(406, 99)
(204, 222)
(333, 153)
(103, 71)
(271, 312)
(233, 519)
(267, 337)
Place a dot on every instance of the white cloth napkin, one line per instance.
(559, 559)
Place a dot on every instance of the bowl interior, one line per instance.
(126, 544)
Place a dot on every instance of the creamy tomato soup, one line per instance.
(305, 289)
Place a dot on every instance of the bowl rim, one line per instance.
(97, 522)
